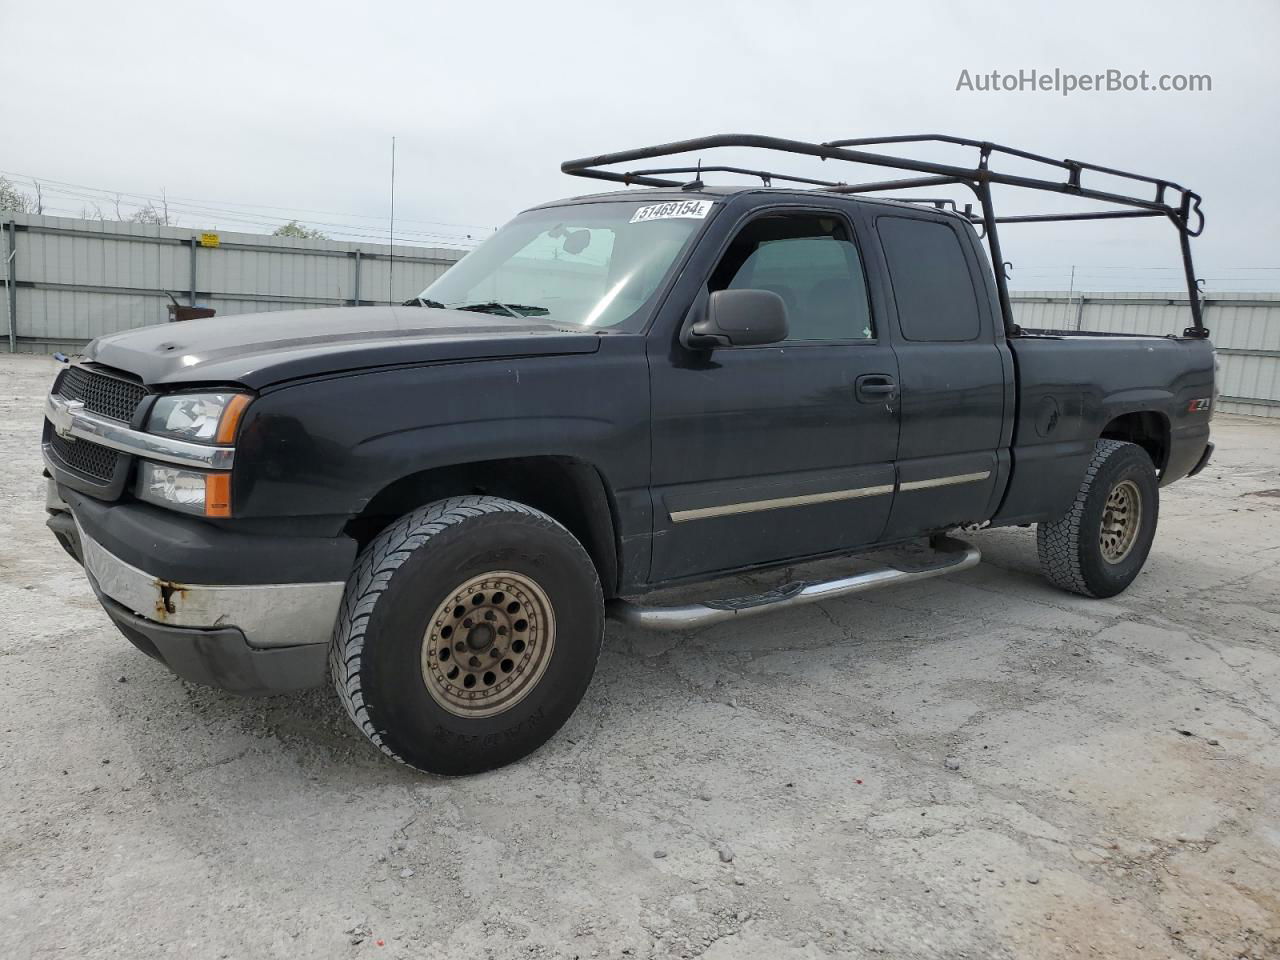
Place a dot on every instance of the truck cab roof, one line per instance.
(725, 191)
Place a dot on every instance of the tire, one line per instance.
(1073, 554)
(400, 654)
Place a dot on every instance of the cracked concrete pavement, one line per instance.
(1116, 791)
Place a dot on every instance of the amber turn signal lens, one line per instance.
(230, 420)
(217, 495)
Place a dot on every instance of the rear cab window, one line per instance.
(932, 283)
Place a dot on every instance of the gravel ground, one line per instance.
(973, 767)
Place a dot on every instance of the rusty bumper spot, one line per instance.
(171, 594)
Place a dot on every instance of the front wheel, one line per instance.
(468, 634)
(1100, 545)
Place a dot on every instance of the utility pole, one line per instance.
(1071, 289)
(391, 261)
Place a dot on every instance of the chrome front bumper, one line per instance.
(268, 615)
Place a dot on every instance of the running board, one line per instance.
(950, 556)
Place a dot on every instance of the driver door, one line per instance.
(769, 453)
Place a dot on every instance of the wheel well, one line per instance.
(572, 491)
(1148, 429)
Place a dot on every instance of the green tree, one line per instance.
(299, 231)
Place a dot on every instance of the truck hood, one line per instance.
(260, 349)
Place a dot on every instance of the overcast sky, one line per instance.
(257, 112)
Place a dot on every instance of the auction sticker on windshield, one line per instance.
(693, 209)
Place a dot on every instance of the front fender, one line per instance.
(324, 448)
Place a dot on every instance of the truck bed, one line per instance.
(1073, 387)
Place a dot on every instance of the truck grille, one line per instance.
(83, 457)
(108, 395)
(102, 393)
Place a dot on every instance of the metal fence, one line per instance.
(66, 281)
(1245, 329)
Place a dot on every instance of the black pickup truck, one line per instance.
(437, 503)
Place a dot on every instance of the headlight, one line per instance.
(190, 491)
(198, 417)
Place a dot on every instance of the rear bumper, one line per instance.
(247, 638)
(1203, 461)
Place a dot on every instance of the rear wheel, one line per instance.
(1100, 545)
(468, 634)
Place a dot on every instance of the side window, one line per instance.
(812, 263)
(931, 280)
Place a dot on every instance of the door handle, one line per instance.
(874, 387)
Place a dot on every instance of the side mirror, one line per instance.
(740, 318)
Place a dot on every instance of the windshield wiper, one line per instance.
(420, 302)
(517, 310)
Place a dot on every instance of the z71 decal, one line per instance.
(692, 209)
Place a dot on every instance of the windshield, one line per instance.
(593, 265)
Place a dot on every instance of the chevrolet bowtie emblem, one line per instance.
(62, 416)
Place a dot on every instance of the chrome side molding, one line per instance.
(951, 556)
(752, 506)
(944, 481)
(808, 499)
